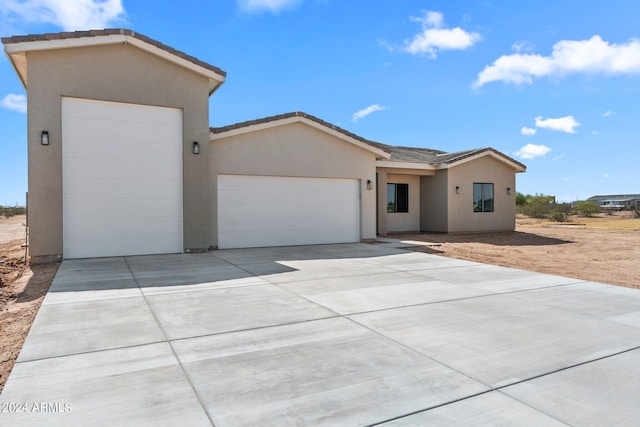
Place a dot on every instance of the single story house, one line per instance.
(122, 162)
(627, 201)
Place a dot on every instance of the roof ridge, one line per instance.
(110, 32)
(405, 147)
(453, 153)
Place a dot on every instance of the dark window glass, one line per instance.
(482, 197)
(397, 198)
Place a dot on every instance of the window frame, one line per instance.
(485, 203)
(394, 206)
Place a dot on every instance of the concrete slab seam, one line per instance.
(489, 388)
(566, 368)
(500, 389)
(455, 299)
(257, 328)
(173, 351)
(293, 294)
(80, 353)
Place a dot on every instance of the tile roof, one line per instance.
(247, 123)
(109, 32)
(398, 154)
(428, 155)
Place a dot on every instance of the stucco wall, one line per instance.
(461, 216)
(405, 221)
(119, 73)
(296, 150)
(433, 202)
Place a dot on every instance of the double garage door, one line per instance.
(122, 179)
(258, 211)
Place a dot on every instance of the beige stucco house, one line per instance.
(122, 162)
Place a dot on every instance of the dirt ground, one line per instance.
(605, 248)
(22, 289)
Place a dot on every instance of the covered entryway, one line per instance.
(122, 179)
(258, 211)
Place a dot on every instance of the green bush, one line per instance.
(12, 211)
(586, 208)
(539, 206)
(558, 214)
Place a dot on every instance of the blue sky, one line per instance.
(554, 84)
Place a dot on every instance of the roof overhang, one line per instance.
(262, 125)
(405, 165)
(17, 53)
(517, 167)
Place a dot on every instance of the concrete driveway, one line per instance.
(325, 335)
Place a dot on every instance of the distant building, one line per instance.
(627, 201)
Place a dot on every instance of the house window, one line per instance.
(482, 197)
(397, 198)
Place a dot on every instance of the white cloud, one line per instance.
(385, 44)
(605, 175)
(531, 151)
(522, 46)
(273, 6)
(366, 111)
(67, 14)
(434, 37)
(567, 57)
(562, 124)
(528, 131)
(608, 113)
(15, 102)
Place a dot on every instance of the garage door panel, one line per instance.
(121, 169)
(108, 208)
(122, 179)
(275, 211)
(123, 189)
(154, 228)
(124, 149)
(265, 238)
(121, 245)
(110, 129)
(136, 113)
(299, 219)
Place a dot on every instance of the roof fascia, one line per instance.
(406, 171)
(13, 49)
(405, 165)
(518, 168)
(299, 119)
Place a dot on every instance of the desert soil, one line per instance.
(605, 249)
(22, 289)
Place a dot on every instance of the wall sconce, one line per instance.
(369, 185)
(44, 138)
(457, 189)
(196, 147)
(509, 191)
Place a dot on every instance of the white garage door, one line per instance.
(255, 211)
(122, 179)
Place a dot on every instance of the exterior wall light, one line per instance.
(457, 189)
(369, 185)
(509, 191)
(44, 138)
(196, 147)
